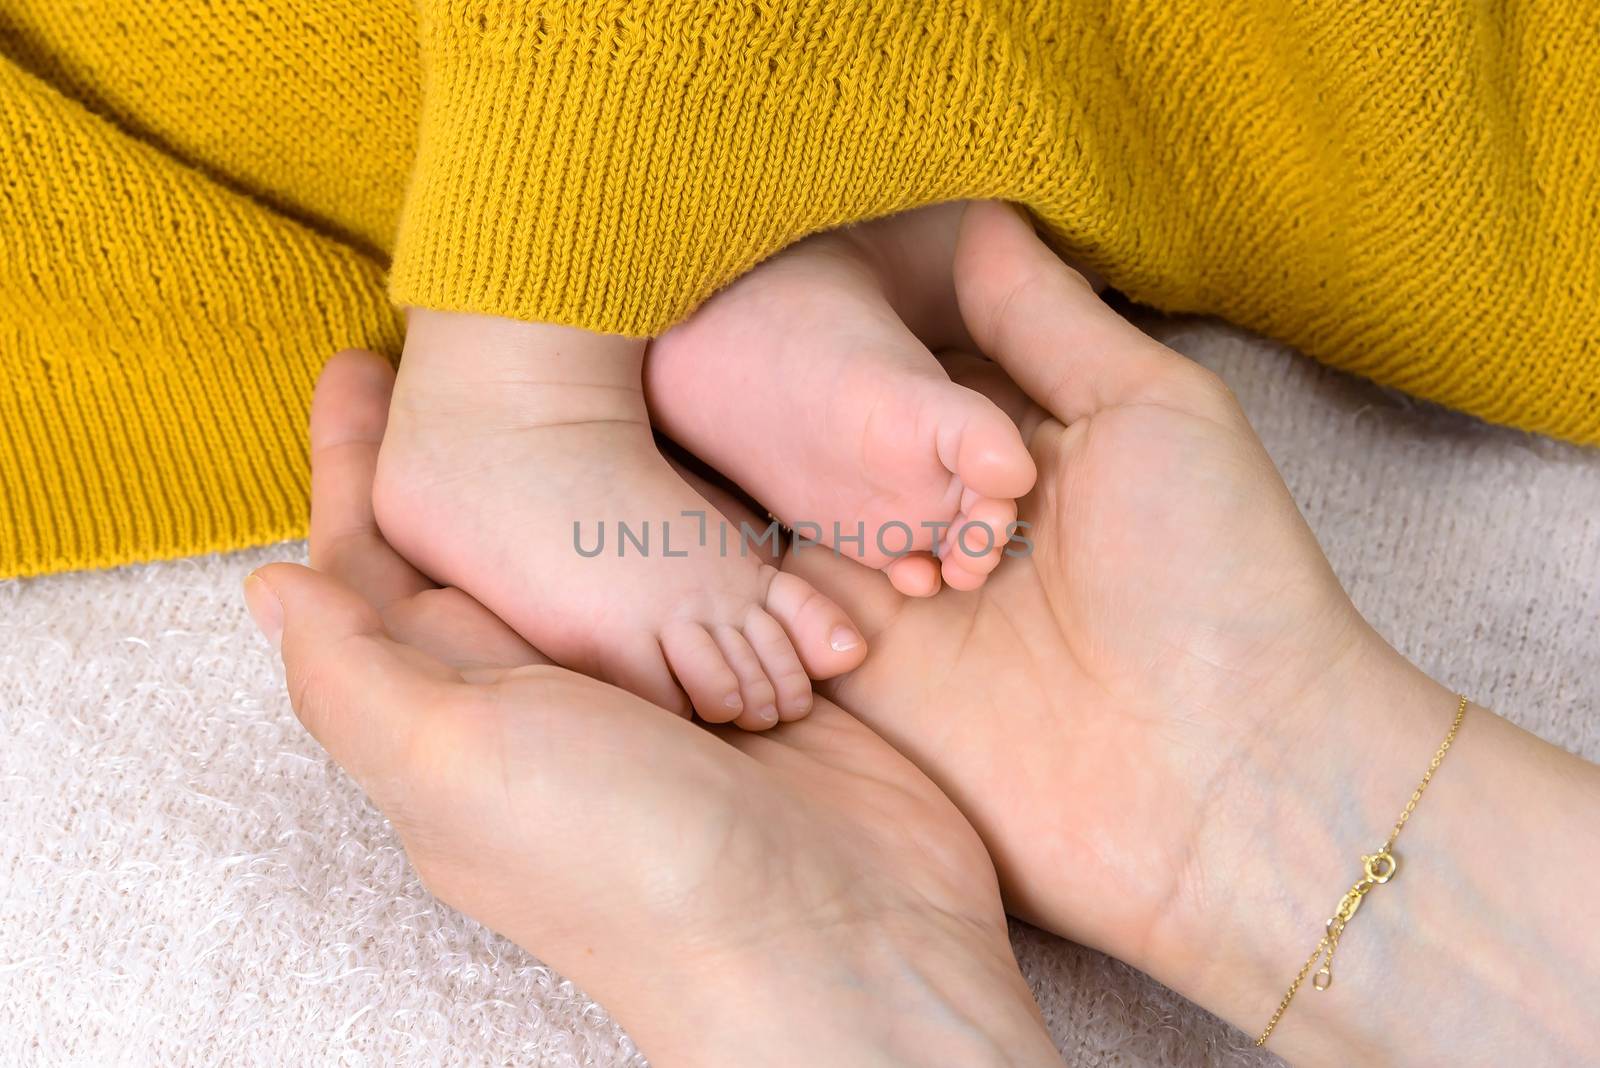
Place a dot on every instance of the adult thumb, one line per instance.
(1044, 324)
(359, 693)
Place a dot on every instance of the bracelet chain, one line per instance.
(1377, 868)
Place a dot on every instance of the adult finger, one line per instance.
(450, 625)
(349, 412)
(361, 695)
(1042, 322)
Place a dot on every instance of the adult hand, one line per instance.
(806, 897)
(1171, 591)
(1177, 735)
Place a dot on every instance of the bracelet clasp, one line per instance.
(1380, 866)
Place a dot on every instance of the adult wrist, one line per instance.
(1321, 790)
(1452, 958)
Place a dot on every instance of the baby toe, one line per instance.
(781, 663)
(755, 689)
(984, 448)
(958, 576)
(823, 637)
(915, 575)
(976, 541)
(703, 672)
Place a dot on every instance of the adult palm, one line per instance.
(1098, 707)
(679, 873)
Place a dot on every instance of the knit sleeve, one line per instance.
(1403, 190)
(610, 163)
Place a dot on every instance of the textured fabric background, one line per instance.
(185, 879)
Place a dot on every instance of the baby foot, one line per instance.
(802, 384)
(515, 456)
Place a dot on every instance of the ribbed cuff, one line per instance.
(613, 171)
(159, 339)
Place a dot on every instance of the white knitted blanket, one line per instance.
(186, 879)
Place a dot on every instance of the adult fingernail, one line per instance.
(265, 609)
(843, 640)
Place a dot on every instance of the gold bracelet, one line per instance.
(1377, 868)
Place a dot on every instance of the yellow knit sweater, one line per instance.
(199, 200)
